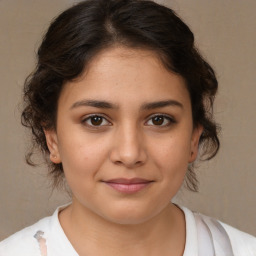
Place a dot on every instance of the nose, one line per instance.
(128, 147)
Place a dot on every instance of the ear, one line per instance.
(197, 131)
(52, 143)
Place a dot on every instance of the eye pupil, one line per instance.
(96, 120)
(158, 120)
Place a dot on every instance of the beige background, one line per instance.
(225, 32)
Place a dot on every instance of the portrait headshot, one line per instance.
(127, 128)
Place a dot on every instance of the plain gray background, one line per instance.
(225, 34)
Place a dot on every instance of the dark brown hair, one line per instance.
(82, 31)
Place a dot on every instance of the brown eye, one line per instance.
(95, 121)
(158, 120)
(161, 120)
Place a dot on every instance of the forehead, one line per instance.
(126, 75)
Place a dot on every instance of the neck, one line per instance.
(90, 234)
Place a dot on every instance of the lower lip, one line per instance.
(128, 188)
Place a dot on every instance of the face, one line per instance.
(124, 136)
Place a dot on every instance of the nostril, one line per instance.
(129, 165)
(118, 162)
(128, 154)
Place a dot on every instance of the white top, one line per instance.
(204, 237)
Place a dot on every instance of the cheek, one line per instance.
(82, 158)
(172, 151)
(171, 158)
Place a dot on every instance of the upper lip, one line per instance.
(128, 181)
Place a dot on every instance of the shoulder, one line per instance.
(25, 242)
(241, 241)
(225, 237)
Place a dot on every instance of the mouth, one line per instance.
(128, 186)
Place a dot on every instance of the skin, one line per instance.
(126, 143)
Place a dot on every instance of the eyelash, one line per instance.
(90, 118)
(169, 119)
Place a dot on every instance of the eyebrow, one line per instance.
(95, 104)
(161, 104)
(108, 105)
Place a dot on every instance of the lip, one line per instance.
(128, 186)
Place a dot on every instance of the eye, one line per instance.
(96, 121)
(161, 120)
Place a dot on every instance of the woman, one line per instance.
(119, 103)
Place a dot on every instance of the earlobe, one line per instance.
(195, 142)
(52, 143)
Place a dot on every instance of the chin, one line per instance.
(130, 215)
(129, 220)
